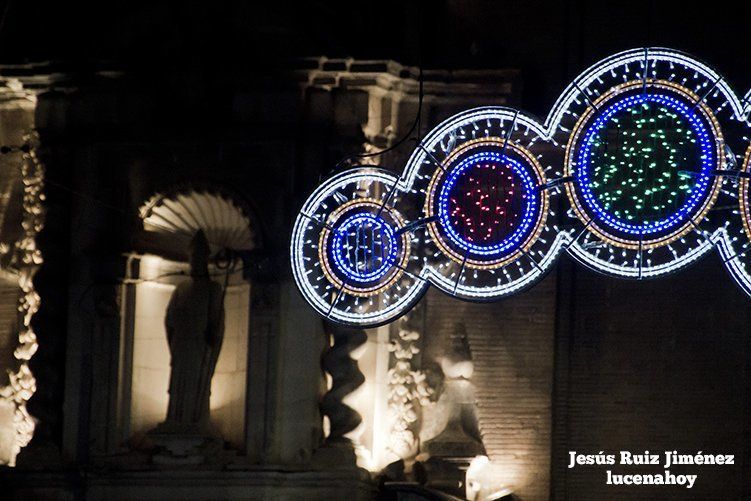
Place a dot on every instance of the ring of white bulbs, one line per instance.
(722, 220)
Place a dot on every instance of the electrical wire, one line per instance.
(415, 125)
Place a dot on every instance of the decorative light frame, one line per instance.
(398, 252)
(719, 215)
(493, 256)
(708, 184)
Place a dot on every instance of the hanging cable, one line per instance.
(414, 126)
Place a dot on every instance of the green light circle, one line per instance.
(643, 163)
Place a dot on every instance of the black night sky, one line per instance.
(550, 41)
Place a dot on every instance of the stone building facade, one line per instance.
(565, 366)
(111, 144)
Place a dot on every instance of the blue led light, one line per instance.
(511, 242)
(697, 193)
(364, 247)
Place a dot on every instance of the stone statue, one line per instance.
(450, 452)
(195, 329)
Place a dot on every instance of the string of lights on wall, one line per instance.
(641, 167)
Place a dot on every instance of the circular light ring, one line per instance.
(744, 194)
(518, 164)
(336, 302)
(599, 125)
(380, 238)
(704, 125)
(375, 231)
(448, 204)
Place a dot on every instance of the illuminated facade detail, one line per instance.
(489, 203)
(408, 390)
(27, 259)
(642, 143)
(181, 211)
(156, 265)
(643, 164)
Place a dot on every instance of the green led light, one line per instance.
(641, 161)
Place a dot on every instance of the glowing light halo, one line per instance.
(446, 201)
(486, 294)
(375, 224)
(444, 181)
(467, 119)
(703, 194)
(733, 260)
(688, 206)
(722, 112)
(639, 56)
(735, 241)
(617, 269)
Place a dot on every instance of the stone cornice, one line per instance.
(394, 77)
(29, 79)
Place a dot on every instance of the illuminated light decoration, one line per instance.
(506, 260)
(643, 162)
(489, 203)
(365, 289)
(364, 247)
(484, 200)
(498, 171)
(743, 195)
(359, 249)
(709, 100)
(734, 242)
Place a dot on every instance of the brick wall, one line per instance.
(658, 365)
(588, 363)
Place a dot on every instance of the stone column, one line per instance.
(338, 450)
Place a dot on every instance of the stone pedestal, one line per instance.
(184, 449)
(335, 454)
(176, 444)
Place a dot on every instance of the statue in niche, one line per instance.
(195, 329)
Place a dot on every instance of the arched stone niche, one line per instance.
(153, 270)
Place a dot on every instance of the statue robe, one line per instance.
(195, 329)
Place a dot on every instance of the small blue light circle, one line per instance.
(364, 248)
(515, 239)
(702, 179)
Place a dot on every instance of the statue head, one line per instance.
(199, 254)
(457, 363)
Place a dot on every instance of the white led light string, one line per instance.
(717, 222)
